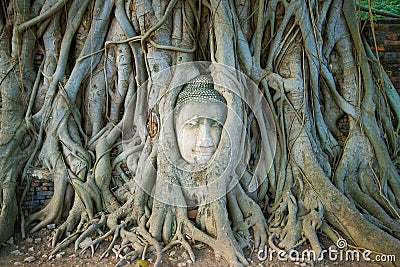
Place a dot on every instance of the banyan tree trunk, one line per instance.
(88, 88)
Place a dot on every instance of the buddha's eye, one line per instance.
(193, 123)
(216, 124)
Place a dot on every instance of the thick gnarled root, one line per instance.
(53, 211)
(170, 225)
(295, 222)
(76, 220)
(179, 239)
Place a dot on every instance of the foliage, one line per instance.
(392, 6)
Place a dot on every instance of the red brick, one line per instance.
(394, 27)
(391, 42)
(393, 36)
(379, 48)
(381, 27)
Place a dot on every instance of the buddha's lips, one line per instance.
(204, 153)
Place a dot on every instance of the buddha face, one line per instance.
(198, 127)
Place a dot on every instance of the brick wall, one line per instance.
(41, 189)
(388, 44)
(39, 193)
(387, 33)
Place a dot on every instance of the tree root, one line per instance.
(92, 228)
(291, 232)
(179, 239)
(138, 237)
(141, 230)
(65, 243)
(53, 210)
(291, 38)
(114, 233)
(77, 218)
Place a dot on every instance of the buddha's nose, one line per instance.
(205, 140)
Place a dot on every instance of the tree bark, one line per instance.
(88, 90)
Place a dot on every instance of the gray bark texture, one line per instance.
(83, 96)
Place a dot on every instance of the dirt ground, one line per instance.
(34, 251)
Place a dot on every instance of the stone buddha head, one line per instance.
(200, 114)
